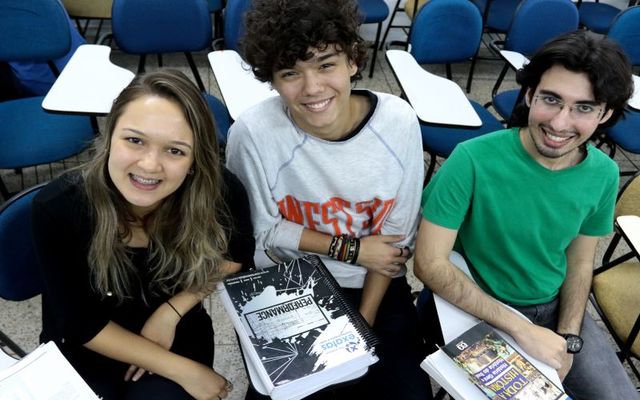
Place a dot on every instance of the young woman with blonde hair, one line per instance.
(133, 241)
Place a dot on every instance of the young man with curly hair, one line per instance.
(526, 206)
(335, 172)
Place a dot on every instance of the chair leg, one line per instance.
(3, 190)
(375, 49)
(471, 69)
(390, 25)
(430, 169)
(12, 345)
(194, 69)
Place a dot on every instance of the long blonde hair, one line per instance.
(187, 240)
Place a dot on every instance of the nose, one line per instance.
(150, 161)
(562, 120)
(312, 84)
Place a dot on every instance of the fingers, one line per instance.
(138, 374)
(130, 372)
(228, 388)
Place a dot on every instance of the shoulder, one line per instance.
(601, 160)
(257, 123)
(66, 191)
(391, 106)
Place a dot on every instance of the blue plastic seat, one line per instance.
(534, 23)
(155, 27)
(221, 117)
(446, 32)
(234, 23)
(20, 277)
(497, 14)
(597, 16)
(625, 30)
(36, 31)
(374, 12)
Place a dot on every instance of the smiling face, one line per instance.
(554, 134)
(318, 93)
(151, 152)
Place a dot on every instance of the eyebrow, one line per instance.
(173, 142)
(554, 94)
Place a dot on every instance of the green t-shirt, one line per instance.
(516, 218)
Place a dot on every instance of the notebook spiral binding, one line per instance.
(360, 324)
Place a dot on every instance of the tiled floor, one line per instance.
(21, 321)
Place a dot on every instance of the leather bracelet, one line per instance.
(174, 309)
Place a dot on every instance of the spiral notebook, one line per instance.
(298, 333)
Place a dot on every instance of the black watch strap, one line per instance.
(574, 342)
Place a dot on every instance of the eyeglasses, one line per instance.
(553, 105)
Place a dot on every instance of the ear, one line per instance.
(606, 116)
(527, 97)
(353, 67)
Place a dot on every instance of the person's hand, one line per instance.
(378, 254)
(203, 383)
(567, 362)
(159, 328)
(545, 345)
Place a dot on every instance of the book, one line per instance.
(43, 374)
(481, 363)
(297, 332)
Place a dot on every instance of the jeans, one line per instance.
(596, 373)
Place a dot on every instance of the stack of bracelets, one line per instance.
(344, 248)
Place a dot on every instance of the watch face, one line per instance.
(574, 344)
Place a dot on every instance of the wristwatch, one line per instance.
(574, 342)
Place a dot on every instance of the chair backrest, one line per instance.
(628, 202)
(234, 22)
(446, 31)
(33, 30)
(497, 16)
(625, 30)
(538, 21)
(20, 276)
(167, 26)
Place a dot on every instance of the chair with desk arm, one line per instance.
(615, 291)
(625, 30)
(535, 22)
(36, 31)
(145, 27)
(444, 32)
(597, 16)
(374, 12)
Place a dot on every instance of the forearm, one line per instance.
(453, 285)
(374, 289)
(119, 344)
(577, 284)
(573, 299)
(314, 242)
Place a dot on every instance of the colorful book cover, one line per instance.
(501, 372)
(297, 321)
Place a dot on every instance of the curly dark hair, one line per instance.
(603, 60)
(278, 33)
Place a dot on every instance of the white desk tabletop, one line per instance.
(89, 82)
(515, 59)
(239, 87)
(435, 99)
(634, 101)
(630, 227)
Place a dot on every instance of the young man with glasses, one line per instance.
(526, 206)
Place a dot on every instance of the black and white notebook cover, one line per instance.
(297, 321)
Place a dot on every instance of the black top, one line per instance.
(72, 312)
